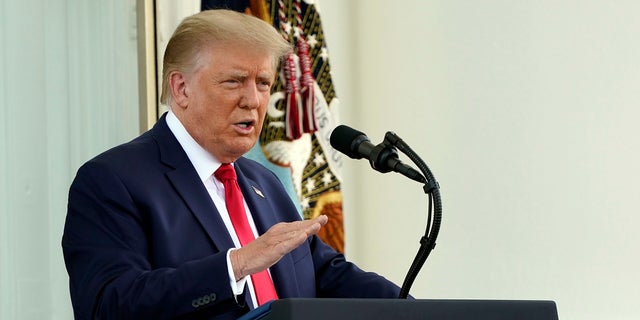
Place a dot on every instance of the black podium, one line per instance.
(397, 309)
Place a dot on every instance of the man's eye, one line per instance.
(265, 84)
(232, 83)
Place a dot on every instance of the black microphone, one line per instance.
(383, 157)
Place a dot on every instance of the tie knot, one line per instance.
(225, 172)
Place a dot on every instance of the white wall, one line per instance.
(527, 114)
(68, 90)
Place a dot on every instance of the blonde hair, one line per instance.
(199, 31)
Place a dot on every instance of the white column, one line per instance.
(68, 90)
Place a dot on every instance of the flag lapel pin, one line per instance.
(257, 191)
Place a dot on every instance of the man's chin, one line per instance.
(236, 150)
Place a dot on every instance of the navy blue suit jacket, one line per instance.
(143, 239)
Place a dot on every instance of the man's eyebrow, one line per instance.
(243, 75)
(238, 74)
(265, 77)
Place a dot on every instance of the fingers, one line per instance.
(314, 225)
(297, 230)
(287, 236)
(323, 219)
(278, 241)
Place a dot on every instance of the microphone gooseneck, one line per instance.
(384, 158)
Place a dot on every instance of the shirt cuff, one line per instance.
(237, 287)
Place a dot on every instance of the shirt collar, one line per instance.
(204, 163)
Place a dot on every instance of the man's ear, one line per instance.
(178, 84)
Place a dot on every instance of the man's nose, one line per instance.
(251, 96)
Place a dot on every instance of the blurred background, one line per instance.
(526, 112)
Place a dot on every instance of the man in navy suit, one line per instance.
(147, 234)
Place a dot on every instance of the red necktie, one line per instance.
(262, 284)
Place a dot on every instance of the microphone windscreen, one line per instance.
(342, 139)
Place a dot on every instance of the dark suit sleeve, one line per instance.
(106, 245)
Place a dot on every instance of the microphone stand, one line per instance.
(432, 189)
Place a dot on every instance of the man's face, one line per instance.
(225, 99)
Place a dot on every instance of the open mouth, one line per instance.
(245, 124)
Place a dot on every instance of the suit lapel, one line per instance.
(261, 211)
(186, 182)
(264, 218)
